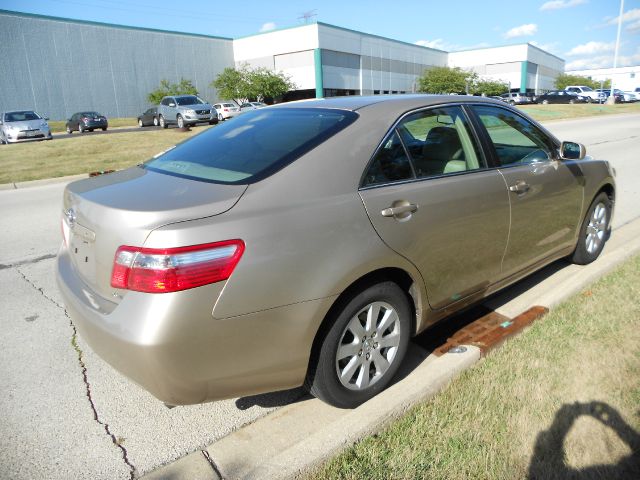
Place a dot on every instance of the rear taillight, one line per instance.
(162, 270)
(226, 109)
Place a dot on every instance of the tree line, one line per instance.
(246, 84)
(239, 84)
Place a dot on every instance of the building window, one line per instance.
(339, 92)
(376, 92)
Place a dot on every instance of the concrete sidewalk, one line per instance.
(302, 435)
(44, 181)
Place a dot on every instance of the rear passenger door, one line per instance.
(432, 199)
(545, 192)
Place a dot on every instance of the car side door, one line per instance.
(432, 199)
(545, 193)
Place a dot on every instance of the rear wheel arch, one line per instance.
(396, 275)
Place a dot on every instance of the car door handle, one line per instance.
(519, 187)
(399, 210)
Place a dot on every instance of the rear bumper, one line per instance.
(172, 346)
(94, 124)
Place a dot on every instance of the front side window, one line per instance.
(253, 146)
(516, 140)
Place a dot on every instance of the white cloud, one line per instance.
(522, 31)
(592, 48)
(634, 27)
(441, 44)
(437, 43)
(604, 61)
(558, 4)
(628, 16)
(267, 26)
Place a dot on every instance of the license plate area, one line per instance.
(82, 243)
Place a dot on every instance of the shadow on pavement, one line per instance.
(272, 400)
(549, 459)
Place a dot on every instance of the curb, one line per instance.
(294, 439)
(44, 181)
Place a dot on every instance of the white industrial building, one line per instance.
(58, 66)
(624, 78)
(324, 60)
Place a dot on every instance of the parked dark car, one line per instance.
(149, 117)
(83, 121)
(305, 243)
(561, 96)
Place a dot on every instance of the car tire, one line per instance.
(512, 103)
(220, 117)
(104, 129)
(80, 128)
(589, 100)
(180, 121)
(345, 367)
(140, 124)
(545, 102)
(155, 121)
(91, 130)
(69, 131)
(572, 102)
(163, 124)
(594, 231)
(213, 122)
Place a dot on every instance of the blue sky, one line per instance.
(583, 32)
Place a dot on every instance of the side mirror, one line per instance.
(572, 151)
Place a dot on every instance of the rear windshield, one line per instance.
(90, 114)
(251, 146)
(189, 100)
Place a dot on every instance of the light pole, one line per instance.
(612, 99)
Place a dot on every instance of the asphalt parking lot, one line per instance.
(69, 415)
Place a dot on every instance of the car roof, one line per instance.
(387, 104)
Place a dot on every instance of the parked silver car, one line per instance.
(185, 110)
(516, 98)
(305, 243)
(23, 126)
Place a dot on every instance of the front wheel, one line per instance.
(80, 128)
(572, 102)
(163, 124)
(545, 102)
(155, 121)
(69, 131)
(594, 231)
(180, 121)
(220, 117)
(363, 347)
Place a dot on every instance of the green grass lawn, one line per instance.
(558, 112)
(85, 154)
(60, 157)
(561, 400)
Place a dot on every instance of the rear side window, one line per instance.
(430, 143)
(252, 146)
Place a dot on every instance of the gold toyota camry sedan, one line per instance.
(305, 243)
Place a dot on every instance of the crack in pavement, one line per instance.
(76, 347)
(212, 463)
(27, 262)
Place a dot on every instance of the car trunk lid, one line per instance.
(105, 212)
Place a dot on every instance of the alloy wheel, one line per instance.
(368, 346)
(596, 228)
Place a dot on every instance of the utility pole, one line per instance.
(612, 97)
